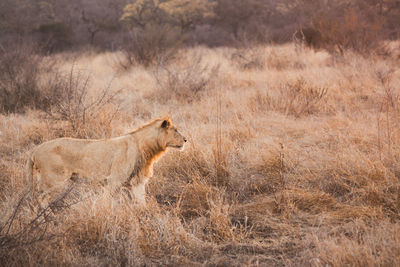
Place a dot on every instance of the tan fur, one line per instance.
(126, 160)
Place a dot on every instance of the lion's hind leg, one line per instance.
(49, 186)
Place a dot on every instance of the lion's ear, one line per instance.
(165, 124)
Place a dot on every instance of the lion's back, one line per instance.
(67, 148)
(59, 158)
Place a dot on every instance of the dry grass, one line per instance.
(293, 160)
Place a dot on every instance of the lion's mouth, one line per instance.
(182, 147)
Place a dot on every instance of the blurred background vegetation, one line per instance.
(59, 25)
(152, 32)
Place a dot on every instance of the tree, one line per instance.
(182, 13)
(101, 16)
(18, 17)
(144, 12)
(187, 13)
(355, 25)
(238, 14)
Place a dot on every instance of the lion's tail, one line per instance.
(29, 172)
(31, 182)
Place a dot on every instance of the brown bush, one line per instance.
(352, 29)
(71, 101)
(308, 36)
(196, 198)
(356, 243)
(21, 229)
(54, 37)
(184, 80)
(20, 71)
(249, 58)
(298, 98)
(150, 45)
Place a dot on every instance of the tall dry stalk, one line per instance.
(387, 105)
(219, 157)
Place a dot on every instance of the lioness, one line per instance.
(122, 161)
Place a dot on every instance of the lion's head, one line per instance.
(169, 136)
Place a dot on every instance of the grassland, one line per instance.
(293, 160)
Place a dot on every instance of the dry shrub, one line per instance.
(220, 228)
(357, 244)
(186, 182)
(150, 45)
(265, 175)
(100, 229)
(385, 198)
(196, 198)
(272, 167)
(10, 175)
(54, 37)
(307, 36)
(206, 212)
(282, 61)
(389, 106)
(158, 233)
(350, 29)
(298, 98)
(256, 217)
(249, 58)
(71, 101)
(26, 232)
(258, 58)
(293, 203)
(337, 186)
(179, 172)
(256, 184)
(204, 209)
(220, 154)
(5, 173)
(96, 228)
(289, 201)
(347, 213)
(184, 80)
(20, 71)
(120, 231)
(373, 186)
(189, 165)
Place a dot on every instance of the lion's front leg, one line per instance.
(139, 191)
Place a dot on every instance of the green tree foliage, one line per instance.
(187, 13)
(182, 13)
(144, 12)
